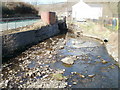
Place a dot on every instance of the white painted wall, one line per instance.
(82, 10)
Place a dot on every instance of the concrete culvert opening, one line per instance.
(105, 40)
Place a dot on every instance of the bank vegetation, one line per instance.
(18, 9)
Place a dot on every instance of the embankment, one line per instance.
(14, 43)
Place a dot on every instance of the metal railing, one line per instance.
(14, 23)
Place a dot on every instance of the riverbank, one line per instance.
(91, 29)
(16, 42)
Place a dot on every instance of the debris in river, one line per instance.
(60, 71)
(74, 83)
(99, 56)
(70, 85)
(61, 47)
(73, 72)
(50, 56)
(82, 76)
(91, 76)
(103, 61)
(63, 70)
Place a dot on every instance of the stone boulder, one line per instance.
(68, 60)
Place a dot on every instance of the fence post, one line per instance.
(15, 24)
(7, 25)
(28, 21)
(22, 23)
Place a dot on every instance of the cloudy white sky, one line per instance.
(44, 1)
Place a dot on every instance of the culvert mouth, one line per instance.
(105, 40)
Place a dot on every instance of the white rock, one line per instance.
(70, 85)
(50, 56)
(45, 76)
(6, 82)
(38, 74)
(74, 83)
(91, 76)
(73, 72)
(61, 47)
(68, 60)
(63, 70)
(47, 52)
(10, 71)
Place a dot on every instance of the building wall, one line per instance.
(48, 17)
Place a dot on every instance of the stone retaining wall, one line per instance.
(18, 41)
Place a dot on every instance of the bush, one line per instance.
(23, 8)
(17, 8)
(6, 12)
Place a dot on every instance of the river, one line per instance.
(93, 67)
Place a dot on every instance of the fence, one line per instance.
(14, 23)
(111, 23)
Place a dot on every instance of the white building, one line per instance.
(81, 11)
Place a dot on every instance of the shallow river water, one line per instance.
(93, 67)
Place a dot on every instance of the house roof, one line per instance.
(81, 4)
(94, 0)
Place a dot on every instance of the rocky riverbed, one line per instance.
(31, 67)
(43, 66)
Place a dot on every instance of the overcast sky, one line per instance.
(44, 1)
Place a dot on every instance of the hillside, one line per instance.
(109, 8)
(59, 8)
(17, 9)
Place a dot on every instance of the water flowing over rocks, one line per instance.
(61, 62)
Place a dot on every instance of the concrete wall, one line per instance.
(18, 41)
